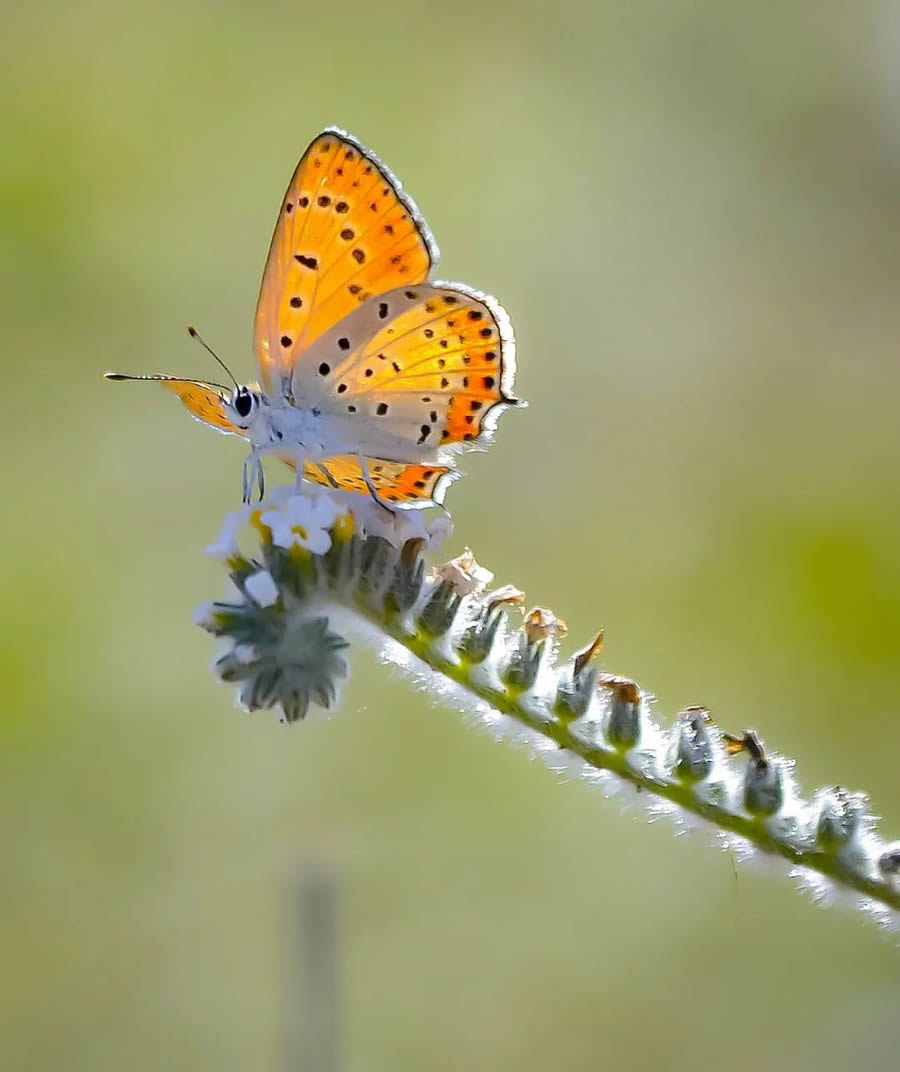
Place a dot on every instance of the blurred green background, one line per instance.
(691, 210)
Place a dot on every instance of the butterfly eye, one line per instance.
(242, 402)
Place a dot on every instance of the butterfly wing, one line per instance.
(204, 401)
(414, 370)
(345, 231)
(398, 482)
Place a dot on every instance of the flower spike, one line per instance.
(326, 560)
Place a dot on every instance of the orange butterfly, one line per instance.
(370, 374)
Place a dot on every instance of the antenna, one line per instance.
(194, 334)
(158, 377)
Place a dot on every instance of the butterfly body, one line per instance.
(279, 425)
(371, 374)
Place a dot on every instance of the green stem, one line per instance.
(678, 793)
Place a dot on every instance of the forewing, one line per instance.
(345, 231)
(204, 401)
(426, 366)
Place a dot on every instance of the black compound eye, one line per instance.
(243, 402)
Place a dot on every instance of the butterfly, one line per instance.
(371, 375)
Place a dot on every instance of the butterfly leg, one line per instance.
(327, 475)
(373, 491)
(252, 473)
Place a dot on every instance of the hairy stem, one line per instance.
(285, 639)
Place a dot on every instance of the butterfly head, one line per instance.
(243, 406)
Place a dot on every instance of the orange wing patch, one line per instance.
(345, 232)
(396, 482)
(204, 401)
(433, 364)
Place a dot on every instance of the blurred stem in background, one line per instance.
(312, 1018)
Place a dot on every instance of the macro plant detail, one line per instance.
(373, 378)
(329, 566)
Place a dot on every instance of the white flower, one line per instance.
(261, 588)
(204, 616)
(396, 525)
(226, 543)
(439, 530)
(304, 520)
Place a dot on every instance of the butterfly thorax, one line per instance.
(280, 425)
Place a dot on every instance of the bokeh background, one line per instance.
(691, 210)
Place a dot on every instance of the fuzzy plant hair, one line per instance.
(326, 566)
